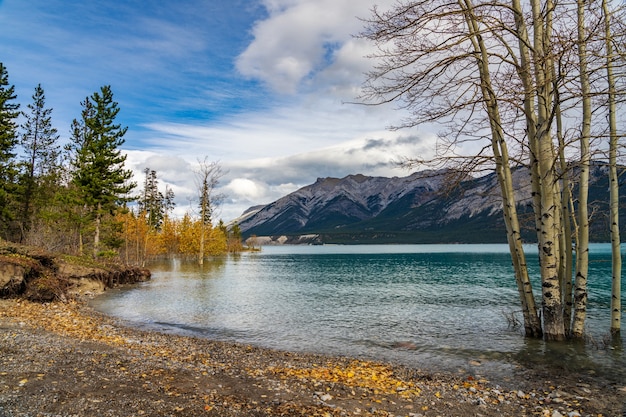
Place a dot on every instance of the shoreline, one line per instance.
(67, 359)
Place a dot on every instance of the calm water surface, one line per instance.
(428, 306)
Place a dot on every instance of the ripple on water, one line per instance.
(443, 308)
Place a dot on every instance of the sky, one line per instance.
(265, 88)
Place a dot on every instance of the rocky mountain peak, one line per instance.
(422, 207)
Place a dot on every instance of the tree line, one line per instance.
(77, 197)
(533, 83)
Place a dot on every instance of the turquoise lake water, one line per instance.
(427, 306)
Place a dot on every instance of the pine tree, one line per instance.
(40, 160)
(99, 172)
(207, 178)
(151, 200)
(8, 139)
(154, 203)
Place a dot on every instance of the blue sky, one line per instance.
(260, 86)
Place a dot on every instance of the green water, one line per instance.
(428, 306)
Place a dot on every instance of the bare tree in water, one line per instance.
(521, 82)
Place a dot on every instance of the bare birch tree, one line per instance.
(582, 250)
(503, 73)
(616, 304)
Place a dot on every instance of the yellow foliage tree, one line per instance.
(174, 237)
(168, 237)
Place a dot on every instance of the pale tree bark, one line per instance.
(566, 253)
(529, 75)
(532, 325)
(582, 250)
(616, 305)
(525, 73)
(81, 248)
(566, 257)
(487, 71)
(536, 75)
(96, 234)
(548, 236)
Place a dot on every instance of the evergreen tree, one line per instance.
(153, 202)
(150, 200)
(8, 139)
(207, 178)
(99, 172)
(40, 160)
(168, 202)
(74, 211)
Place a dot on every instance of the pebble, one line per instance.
(323, 396)
(470, 394)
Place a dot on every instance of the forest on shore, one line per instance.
(77, 197)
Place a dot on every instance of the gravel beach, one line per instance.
(64, 359)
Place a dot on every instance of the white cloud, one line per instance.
(252, 181)
(174, 80)
(305, 47)
(261, 181)
(247, 189)
(299, 39)
(299, 126)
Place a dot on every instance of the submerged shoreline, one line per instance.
(67, 359)
(437, 308)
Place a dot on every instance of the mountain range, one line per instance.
(424, 207)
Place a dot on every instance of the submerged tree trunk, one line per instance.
(566, 248)
(566, 257)
(535, 71)
(451, 61)
(201, 248)
(582, 250)
(532, 325)
(616, 304)
(548, 233)
(207, 178)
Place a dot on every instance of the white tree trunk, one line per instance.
(548, 234)
(616, 304)
(582, 250)
(532, 324)
(96, 234)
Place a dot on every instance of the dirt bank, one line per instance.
(63, 359)
(37, 275)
